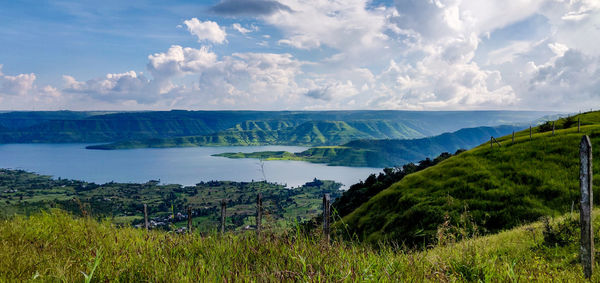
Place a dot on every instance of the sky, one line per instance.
(300, 55)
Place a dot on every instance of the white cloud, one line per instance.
(206, 31)
(239, 28)
(113, 87)
(451, 18)
(341, 25)
(236, 81)
(259, 79)
(571, 79)
(437, 84)
(332, 90)
(415, 54)
(575, 23)
(20, 92)
(16, 85)
(179, 60)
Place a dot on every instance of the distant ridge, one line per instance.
(386, 152)
(135, 127)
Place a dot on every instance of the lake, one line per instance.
(186, 166)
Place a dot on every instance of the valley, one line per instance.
(26, 193)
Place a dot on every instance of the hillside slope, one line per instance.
(499, 187)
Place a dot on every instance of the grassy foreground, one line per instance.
(57, 247)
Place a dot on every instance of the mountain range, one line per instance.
(194, 128)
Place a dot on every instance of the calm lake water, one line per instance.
(186, 166)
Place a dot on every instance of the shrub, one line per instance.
(547, 126)
(560, 234)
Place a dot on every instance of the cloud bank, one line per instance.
(357, 54)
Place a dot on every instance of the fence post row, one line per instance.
(189, 212)
(258, 213)
(585, 182)
(223, 211)
(326, 216)
(146, 216)
(513, 137)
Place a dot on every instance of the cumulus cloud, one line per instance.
(331, 90)
(575, 24)
(570, 79)
(113, 87)
(179, 60)
(249, 7)
(437, 84)
(235, 81)
(206, 31)
(341, 25)
(16, 85)
(21, 92)
(264, 79)
(412, 54)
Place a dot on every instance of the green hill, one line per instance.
(281, 132)
(499, 187)
(241, 127)
(384, 152)
(57, 247)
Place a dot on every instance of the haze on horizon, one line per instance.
(300, 55)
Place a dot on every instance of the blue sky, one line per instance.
(292, 54)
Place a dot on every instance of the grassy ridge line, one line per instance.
(57, 247)
(500, 187)
(343, 155)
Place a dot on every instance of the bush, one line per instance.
(547, 126)
(569, 122)
(560, 234)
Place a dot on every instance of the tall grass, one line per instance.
(57, 247)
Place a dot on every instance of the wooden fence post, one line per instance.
(492, 142)
(223, 211)
(326, 216)
(529, 132)
(587, 198)
(496, 141)
(146, 216)
(579, 124)
(258, 213)
(513, 137)
(189, 219)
